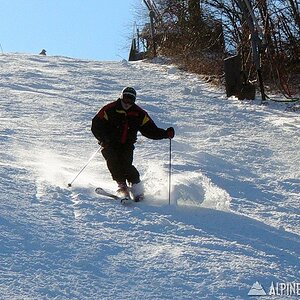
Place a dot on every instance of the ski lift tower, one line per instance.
(256, 44)
(155, 16)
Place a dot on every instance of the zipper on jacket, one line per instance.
(124, 133)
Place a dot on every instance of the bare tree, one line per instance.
(200, 33)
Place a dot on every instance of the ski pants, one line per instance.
(119, 162)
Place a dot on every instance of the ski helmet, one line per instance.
(129, 92)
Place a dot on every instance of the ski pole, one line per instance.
(170, 167)
(93, 155)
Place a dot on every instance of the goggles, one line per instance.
(128, 99)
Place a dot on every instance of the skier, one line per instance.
(115, 127)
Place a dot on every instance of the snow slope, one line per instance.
(234, 216)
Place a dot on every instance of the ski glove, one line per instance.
(170, 133)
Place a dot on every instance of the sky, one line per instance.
(87, 29)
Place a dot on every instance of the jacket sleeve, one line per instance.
(99, 127)
(151, 131)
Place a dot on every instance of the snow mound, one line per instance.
(194, 189)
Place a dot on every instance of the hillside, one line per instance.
(234, 214)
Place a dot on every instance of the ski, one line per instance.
(102, 192)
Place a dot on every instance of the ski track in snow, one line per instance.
(234, 216)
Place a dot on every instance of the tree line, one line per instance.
(199, 34)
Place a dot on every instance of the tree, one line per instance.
(200, 33)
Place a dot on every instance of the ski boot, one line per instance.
(123, 192)
(137, 192)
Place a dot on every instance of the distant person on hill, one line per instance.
(115, 126)
(43, 52)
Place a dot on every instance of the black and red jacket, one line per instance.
(115, 126)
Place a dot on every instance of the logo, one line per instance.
(257, 290)
(285, 289)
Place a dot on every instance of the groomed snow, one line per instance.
(234, 213)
